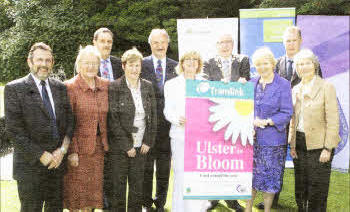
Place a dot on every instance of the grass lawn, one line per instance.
(338, 198)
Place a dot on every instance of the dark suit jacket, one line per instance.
(281, 69)
(116, 66)
(239, 68)
(149, 74)
(122, 112)
(28, 122)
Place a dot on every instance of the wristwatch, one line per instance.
(63, 150)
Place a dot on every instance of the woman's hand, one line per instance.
(144, 149)
(182, 121)
(325, 156)
(73, 159)
(293, 153)
(132, 153)
(242, 80)
(259, 122)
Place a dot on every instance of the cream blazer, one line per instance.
(321, 116)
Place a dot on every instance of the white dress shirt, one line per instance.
(163, 64)
(39, 86)
(139, 119)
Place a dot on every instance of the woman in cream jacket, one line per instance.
(313, 134)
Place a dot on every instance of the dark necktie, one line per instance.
(159, 75)
(48, 106)
(290, 70)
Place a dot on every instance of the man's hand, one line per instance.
(132, 153)
(144, 149)
(46, 158)
(242, 80)
(57, 159)
(73, 159)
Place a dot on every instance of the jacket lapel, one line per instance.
(283, 72)
(315, 88)
(35, 94)
(55, 97)
(234, 67)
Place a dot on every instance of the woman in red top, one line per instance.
(83, 182)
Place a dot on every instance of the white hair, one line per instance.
(158, 31)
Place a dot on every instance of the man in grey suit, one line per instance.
(285, 67)
(39, 121)
(157, 68)
(227, 67)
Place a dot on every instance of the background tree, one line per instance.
(67, 24)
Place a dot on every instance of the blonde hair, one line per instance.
(87, 50)
(264, 52)
(189, 55)
(306, 54)
(131, 55)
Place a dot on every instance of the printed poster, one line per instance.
(218, 140)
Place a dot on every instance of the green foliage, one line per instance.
(5, 21)
(311, 7)
(59, 25)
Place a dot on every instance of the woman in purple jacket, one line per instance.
(273, 109)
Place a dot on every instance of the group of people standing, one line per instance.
(117, 119)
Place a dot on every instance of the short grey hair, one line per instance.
(306, 54)
(87, 50)
(158, 31)
(264, 52)
(291, 29)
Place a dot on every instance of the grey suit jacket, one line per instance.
(281, 69)
(239, 68)
(28, 122)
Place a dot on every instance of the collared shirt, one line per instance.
(163, 64)
(39, 86)
(109, 67)
(139, 119)
(304, 90)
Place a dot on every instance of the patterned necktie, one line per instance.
(105, 72)
(290, 70)
(48, 106)
(159, 75)
(226, 70)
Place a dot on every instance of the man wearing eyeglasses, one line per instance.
(227, 67)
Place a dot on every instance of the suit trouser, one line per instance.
(162, 159)
(311, 177)
(127, 170)
(107, 181)
(42, 185)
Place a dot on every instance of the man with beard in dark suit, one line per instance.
(39, 121)
(227, 67)
(285, 67)
(110, 67)
(158, 68)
